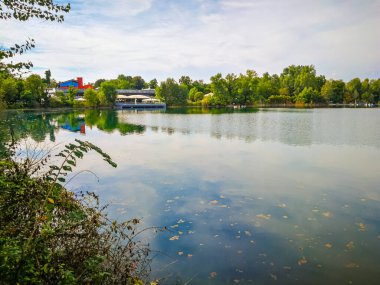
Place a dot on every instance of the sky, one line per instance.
(199, 38)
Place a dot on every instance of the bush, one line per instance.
(49, 235)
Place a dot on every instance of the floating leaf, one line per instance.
(189, 255)
(283, 205)
(213, 202)
(50, 200)
(174, 238)
(263, 216)
(248, 233)
(180, 253)
(328, 245)
(180, 221)
(362, 227)
(213, 274)
(352, 265)
(302, 261)
(350, 245)
(327, 214)
(175, 226)
(274, 277)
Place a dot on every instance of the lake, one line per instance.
(253, 196)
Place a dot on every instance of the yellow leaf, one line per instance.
(50, 200)
(328, 245)
(302, 261)
(174, 238)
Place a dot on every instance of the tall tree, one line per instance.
(172, 93)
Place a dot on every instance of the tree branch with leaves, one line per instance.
(23, 10)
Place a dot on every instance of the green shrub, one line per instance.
(49, 235)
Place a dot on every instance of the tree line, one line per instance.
(297, 84)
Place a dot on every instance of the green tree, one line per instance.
(109, 92)
(138, 82)
(309, 95)
(36, 87)
(71, 93)
(374, 89)
(333, 91)
(353, 88)
(193, 91)
(23, 10)
(153, 83)
(8, 90)
(247, 88)
(172, 93)
(184, 79)
(220, 90)
(91, 97)
(48, 77)
(98, 82)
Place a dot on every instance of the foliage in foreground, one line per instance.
(49, 235)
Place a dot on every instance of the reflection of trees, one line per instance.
(212, 111)
(17, 125)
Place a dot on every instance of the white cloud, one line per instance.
(102, 39)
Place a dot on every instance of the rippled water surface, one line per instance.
(261, 196)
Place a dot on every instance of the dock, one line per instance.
(120, 105)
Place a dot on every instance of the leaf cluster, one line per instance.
(49, 235)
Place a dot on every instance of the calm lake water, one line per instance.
(260, 196)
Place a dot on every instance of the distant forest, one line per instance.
(296, 85)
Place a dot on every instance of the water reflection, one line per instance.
(281, 196)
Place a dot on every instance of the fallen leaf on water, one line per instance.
(180, 252)
(222, 197)
(236, 281)
(327, 214)
(252, 241)
(180, 233)
(175, 226)
(223, 206)
(180, 221)
(362, 227)
(189, 255)
(274, 277)
(283, 205)
(248, 233)
(328, 245)
(213, 274)
(174, 238)
(213, 202)
(350, 245)
(302, 261)
(352, 265)
(285, 217)
(263, 216)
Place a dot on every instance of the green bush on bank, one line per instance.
(49, 235)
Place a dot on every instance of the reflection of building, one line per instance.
(78, 126)
(75, 83)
